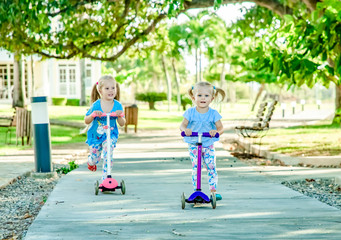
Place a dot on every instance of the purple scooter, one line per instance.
(198, 196)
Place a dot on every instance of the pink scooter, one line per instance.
(109, 184)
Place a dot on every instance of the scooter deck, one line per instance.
(198, 197)
(109, 184)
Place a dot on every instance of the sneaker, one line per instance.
(217, 197)
(92, 168)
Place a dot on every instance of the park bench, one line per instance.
(21, 119)
(258, 127)
(23, 125)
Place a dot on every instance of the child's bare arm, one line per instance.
(88, 119)
(183, 127)
(220, 127)
(120, 120)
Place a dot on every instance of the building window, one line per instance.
(88, 76)
(67, 80)
(6, 80)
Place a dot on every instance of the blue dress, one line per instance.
(96, 133)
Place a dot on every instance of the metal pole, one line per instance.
(199, 162)
(41, 134)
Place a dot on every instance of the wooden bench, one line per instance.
(258, 128)
(262, 122)
(24, 125)
(21, 119)
(131, 115)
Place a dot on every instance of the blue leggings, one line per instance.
(95, 156)
(208, 157)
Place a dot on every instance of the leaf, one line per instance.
(288, 18)
(330, 70)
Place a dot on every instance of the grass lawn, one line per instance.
(322, 139)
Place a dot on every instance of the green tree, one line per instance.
(151, 98)
(105, 30)
(302, 48)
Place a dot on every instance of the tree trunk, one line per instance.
(18, 97)
(337, 96)
(232, 93)
(196, 66)
(32, 77)
(151, 105)
(262, 86)
(82, 101)
(200, 69)
(177, 81)
(169, 85)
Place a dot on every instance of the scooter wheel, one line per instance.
(183, 201)
(213, 200)
(96, 187)
(123, 187)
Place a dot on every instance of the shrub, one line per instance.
(151, 98)
(72, 102)
(337, 116)
(184, 101)
(59, 101)
(65, 170)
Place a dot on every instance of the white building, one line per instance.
(51, 78)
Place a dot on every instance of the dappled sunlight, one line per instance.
(236, 169)
(60, 139)
(247, 215)
(167, 172)
(280, 171)
(171, 171)
(301, 233)
(112, 201)
(143, 161)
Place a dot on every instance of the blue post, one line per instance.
(41, 134)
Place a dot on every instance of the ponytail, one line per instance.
(94, 94)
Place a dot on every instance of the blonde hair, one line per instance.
(94, 92)
(214, 90)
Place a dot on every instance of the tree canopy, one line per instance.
(298, 41)
(95, 29)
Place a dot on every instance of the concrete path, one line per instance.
(156, 171)
(15, 164)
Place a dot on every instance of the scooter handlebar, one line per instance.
(195, 134)
(113, 114)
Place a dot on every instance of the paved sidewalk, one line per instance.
(156, 170)
(16, 164)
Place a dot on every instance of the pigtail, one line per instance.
(190, 92)
(214, 90)
(94, 94)
(118, 92)
(219, 91)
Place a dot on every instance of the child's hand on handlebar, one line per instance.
(119, 113)
(188, 132)
(213, 133)
(96, 114)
